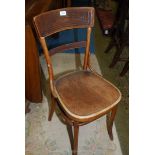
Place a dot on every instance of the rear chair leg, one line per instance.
(110, 46)
(125, 69)
(110, 120)
(116, 58)
(52, 108)
(75, 145)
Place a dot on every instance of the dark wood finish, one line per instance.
(116, 58)
(69, 3)
(35, 7)
(52, 108)
(125, 68)
(106, 19)
(78, 18)
(82, 96)
(120, 38)
(76, 133)
(33, 90)
(110, 120)
(32, 66)
(120, 41)
(105, 16)
(65, 47)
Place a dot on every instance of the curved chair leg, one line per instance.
(75, 145)
(125, 69)
(116, 56)
(52, 108)
(110, 120)
(110, 46)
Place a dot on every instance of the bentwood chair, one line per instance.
(82, 96)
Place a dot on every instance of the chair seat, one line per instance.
(84, 95)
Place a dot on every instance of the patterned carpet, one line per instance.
(51, 138)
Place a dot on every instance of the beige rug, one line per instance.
(51, 138)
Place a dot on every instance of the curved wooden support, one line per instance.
(65, 47)
(110, 46)
(52, 108)
(125, 69)
(110, 120)
(116, 57)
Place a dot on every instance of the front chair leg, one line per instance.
(75, 145)
(110, 120)
(70, 133)
(52, 108)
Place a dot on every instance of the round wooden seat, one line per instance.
(83, 94)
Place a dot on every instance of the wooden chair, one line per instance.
(82, 96)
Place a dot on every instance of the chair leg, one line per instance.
(52, 108)
(125, 69)
(110, 46)
(75, 145)
(70, 133)
(116, 56)
(110, 120)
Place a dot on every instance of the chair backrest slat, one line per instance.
(65, 47)
(58, 20)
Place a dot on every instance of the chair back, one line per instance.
(58, 20)
(54, 21)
